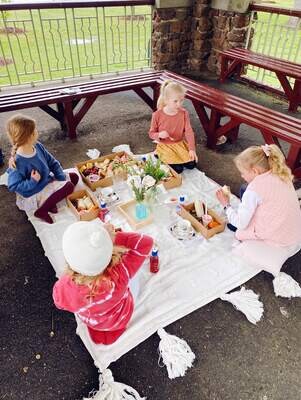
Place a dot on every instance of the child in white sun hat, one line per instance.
(101, 264)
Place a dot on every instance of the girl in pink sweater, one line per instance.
(96, 286)
(171, 129)
(268, 218)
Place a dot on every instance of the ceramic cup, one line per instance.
(206, 219)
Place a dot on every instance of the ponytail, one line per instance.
(12, 159)
(268, 157)
(166, 87)
(278, 165)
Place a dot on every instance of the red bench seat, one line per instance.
(210, 104)
(233, 60)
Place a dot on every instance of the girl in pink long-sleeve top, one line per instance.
(171, 129)
(268, 219)
(102, 264)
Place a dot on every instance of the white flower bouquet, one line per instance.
(141, 185)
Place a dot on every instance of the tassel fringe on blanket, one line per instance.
(286, 286)
(111, 390)
(175, 354)
(246, 301)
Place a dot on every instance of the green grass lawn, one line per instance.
(276, 37)
(74, 42)
(61, 44)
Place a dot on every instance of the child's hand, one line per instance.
(163, 135)
(35, 175)
(111, 231)
(222, 198)
(12, 163)
(193, 156)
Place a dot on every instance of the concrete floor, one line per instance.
(235, 359)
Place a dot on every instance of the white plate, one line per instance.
(180, 234)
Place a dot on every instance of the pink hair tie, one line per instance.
(266, 149)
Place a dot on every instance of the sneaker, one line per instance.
(221, 140)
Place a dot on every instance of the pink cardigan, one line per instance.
(277, 219)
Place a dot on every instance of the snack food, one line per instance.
(108, 167)
(198, 206)
(206, 219)
(226, 190)
(213, 224)
(83, 204)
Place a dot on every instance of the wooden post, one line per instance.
(70, 120)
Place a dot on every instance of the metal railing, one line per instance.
(275, 32)
(54, 41)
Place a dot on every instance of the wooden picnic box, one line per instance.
(104, 182)
(174, 181)
(128, 210)
(83, 215)
(198, 226)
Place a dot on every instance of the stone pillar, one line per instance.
(189, 38)
(202, 32)
(229, 31)
(171, 38)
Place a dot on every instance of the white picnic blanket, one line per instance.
(191, 274)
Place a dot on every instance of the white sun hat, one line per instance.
(87, 247)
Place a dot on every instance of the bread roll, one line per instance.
(226, 190)
(88, 202)
(199, 209)
(81, 204)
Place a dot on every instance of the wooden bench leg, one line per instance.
(229, 69)
(233, 134)
(58, 115)
(230, 129)
(85, 106)
(296, 96)
(297, 173)
(202, 114)
(291, 94)
(70, 120)
(224, 65)
(214, 124)
(144, 96)
(156, 94)
(60, 110)
(294, 158)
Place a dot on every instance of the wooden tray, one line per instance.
(107, 181)
(85, 216)
(198, 226)
(128, 210)
(174, 181)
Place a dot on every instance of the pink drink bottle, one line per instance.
(154, 261)
(103, 212)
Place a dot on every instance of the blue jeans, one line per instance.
(1, 158)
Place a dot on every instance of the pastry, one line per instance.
(88, 202)
(81, 204)
(226, 190)
(198, 206)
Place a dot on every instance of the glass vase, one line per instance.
(141, 210)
